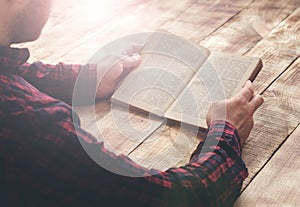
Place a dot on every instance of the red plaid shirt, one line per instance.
(42, 161)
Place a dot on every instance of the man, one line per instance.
(42, 162)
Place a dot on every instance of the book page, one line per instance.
(220, 77)
(168, 64)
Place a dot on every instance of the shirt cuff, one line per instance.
(86, 86)
(227, 131)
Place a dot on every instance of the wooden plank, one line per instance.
(93, 32)
(277, 47)
(274, 121)
(89, 116)
(120, 129)
(251, 25)
(160, 16)
(278, 50)
(145, 19)
(168, 147)
(266, 49)
(123, 130)
(204, 17)
(73, 23)
(278, 183)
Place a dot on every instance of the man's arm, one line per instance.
(59, 80)
(214, 175)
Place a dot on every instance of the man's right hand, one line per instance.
(238, 110)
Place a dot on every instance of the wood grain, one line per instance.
(278, 183)
(275, 120)
(248, 27)
(84, 36)
(170, 146)
(89, 116)
(204, 17)
(121, 129)
(71, 24)
(159, 15)
(278, 50)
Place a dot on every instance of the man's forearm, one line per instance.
(59, 80)
(215, 174)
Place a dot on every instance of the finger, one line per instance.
(135, 49)
(247, 91)
(208, 118)
(247, 82)
(131, 61)
(256, 102)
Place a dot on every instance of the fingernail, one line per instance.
(136, 56)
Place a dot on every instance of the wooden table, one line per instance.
(268, 29)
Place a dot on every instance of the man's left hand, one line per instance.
(117, 73)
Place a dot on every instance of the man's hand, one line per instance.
(115, 74)
(237, 110)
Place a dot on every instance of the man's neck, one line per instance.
(4, 38)
(4, 44)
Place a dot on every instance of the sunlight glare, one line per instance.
(95, 10)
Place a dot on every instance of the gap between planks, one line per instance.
(277, 184)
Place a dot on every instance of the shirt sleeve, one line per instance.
(59, 80)
(213, 177)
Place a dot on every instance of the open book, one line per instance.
(179, 80)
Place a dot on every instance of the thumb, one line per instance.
(114, 72)
(131, 61)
